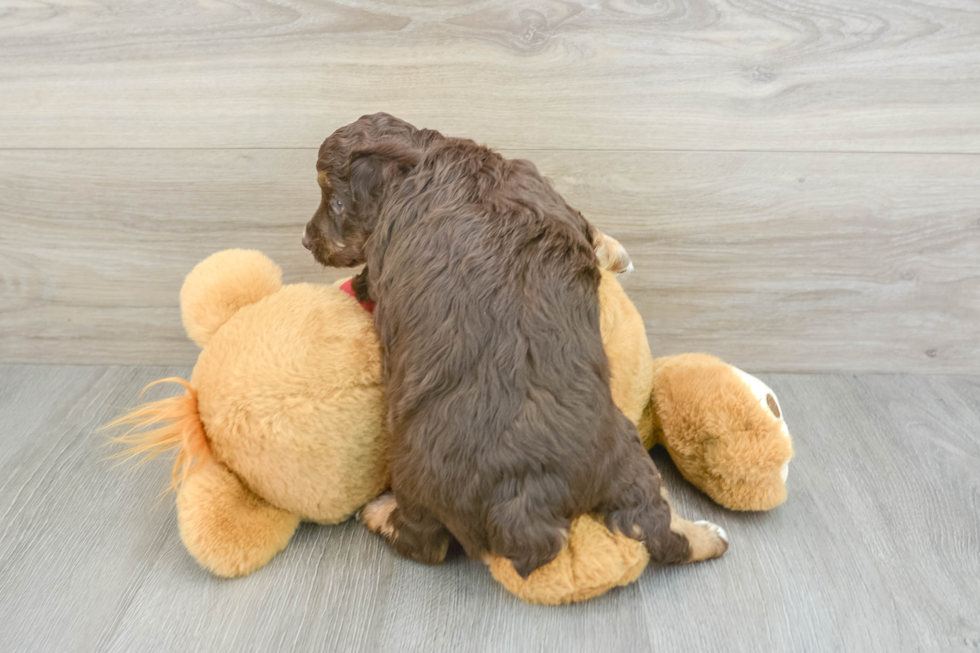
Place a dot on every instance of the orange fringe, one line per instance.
(178, 426)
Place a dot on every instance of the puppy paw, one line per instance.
(715, 528)
(707, 541)
(611, 254)
(376, 515)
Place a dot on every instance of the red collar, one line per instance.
(349, 289)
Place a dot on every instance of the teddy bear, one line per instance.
(283, 421)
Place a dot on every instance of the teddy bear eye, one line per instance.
(339, 203)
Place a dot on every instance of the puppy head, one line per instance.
(355, 165)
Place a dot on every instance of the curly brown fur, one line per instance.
(501, 420)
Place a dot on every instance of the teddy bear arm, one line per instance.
(225, 526)
(723, 429)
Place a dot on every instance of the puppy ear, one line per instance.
(371, 168)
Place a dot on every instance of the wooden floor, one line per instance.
(797, 181)
(876, 549)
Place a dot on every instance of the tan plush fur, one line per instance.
(625, 340)
(227, 528)
(181, 430)
(719, 436)
(231, 279)
(284, 415)
(593, 561)
(288, 391)
(290, 394)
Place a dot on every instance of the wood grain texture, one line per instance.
(875, 549)
(779, 262)
(868, 75)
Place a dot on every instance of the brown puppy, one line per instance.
(501, 420)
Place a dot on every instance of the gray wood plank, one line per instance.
(781, 262)
(71, 554)
(895, 75)
(875, 550)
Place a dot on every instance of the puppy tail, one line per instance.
(164, 425)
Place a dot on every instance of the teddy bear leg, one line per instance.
(706, 540)
(593, 561)
(412, 531)
(225, 526)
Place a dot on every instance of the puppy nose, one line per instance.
(307, 241)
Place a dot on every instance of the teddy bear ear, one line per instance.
(220, 285)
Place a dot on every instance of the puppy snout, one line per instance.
(307, 241)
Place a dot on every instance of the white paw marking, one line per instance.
(784, 471)
(714, 528)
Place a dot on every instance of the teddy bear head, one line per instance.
(288, 385)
